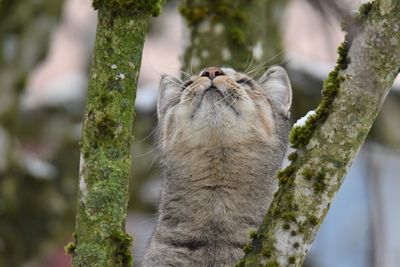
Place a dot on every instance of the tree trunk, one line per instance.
(100, 238)
(241, 34)
(329, 140)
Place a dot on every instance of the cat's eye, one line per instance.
(187, 83)
(245, 81)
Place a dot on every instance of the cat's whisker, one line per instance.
(250, 64)
(186, 73)
(172, 100)
(179, 104)
(233, 102)
(270, 98)
(224, 97)
(157, 157)
(145, 153)
(174, 82)
(263, 65)
(148, 136)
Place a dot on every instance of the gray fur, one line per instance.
(219, 154)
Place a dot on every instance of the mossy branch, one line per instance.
(100, 238)
(328, 142)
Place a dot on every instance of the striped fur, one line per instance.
(219, 150)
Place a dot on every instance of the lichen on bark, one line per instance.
(361, 81)
(101, 239)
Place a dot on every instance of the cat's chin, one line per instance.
(214, 106)
(215, 114)
(214, 123)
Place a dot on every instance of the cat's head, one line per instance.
(221, 105)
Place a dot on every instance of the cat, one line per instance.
(222, 137)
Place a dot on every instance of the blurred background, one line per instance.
(45, 55)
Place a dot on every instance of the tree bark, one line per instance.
(241, 34)
(330, 139)
(100, 238)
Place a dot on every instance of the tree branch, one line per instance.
(330, 139)
(105, 154)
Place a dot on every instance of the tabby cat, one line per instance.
(222, 137)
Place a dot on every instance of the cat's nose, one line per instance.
(212, 72)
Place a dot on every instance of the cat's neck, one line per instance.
(221, 167)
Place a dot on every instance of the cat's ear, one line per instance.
(276, 84)
(169, 93)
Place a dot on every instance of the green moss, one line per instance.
(289, 216)
(319, 183)
(343, 60)
(308, 173)
(268, 250)
(69, 249)
(296, 245)
(285, 174)
(123, 243)
(338, 164)
(286, 226)
(363, 10)
(304, 228)
(267, 253)
(292, 260)
(152, 7)
(247, 248)
(104, 122)
(300, 135)
(313, 220)
(331, 87)
(287, 202)
(318, 179)
(253, 234)
(293, 156)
